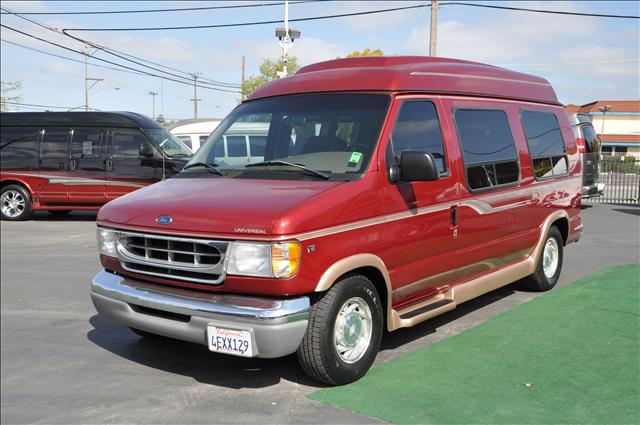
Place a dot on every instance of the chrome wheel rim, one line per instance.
(12, 203)
(353, 329)
(550, 258)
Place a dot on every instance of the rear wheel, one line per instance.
(15, 203)
(550, 263)
(59, 212)
(344, 332)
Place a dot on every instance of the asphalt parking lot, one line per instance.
(61, 363)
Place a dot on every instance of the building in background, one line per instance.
(617, 123)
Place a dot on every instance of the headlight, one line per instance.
(107, 242)
(279, 260)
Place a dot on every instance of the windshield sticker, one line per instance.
(355, 158)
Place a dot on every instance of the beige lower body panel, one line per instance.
(501, 276)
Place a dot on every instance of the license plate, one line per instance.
(229, 341)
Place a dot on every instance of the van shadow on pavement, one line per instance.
(198, 362)
(72, 216)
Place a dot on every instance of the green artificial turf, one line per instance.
(578, 346)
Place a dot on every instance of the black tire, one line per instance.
(147, 335)
(59, 212)
(539, 281)
(20, 211)
(317, 353)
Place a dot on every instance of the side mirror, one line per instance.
(418, 166)
(146, 150)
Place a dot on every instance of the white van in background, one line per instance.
(242, 143)
(193, 132)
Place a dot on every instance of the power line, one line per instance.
(244, 24)
(111, 62)
(524, 9)
(70, 59)
(31, 105)
(342, 15)
(179, 9)
(118, 54)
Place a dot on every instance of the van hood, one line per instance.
(211, 205)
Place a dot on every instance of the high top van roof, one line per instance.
(412, 74)
(86, 119)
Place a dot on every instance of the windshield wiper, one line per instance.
(291, 164)
(211, 167)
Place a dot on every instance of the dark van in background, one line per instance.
(590, 150)
(63, 161)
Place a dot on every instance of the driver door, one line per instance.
(127, 170)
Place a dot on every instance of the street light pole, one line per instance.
(286, 38)
(153, 109)
(604, 109)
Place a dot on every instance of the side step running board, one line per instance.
(425, 309)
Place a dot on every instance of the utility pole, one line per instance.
(604, 109)
(195, 99)
(433, 37)
(153, 113)
(87, 79)
(242, 86)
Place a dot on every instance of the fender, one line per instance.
(17, 180)
(345, 265)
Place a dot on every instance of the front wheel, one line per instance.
(344, 332)
(15, 203)
(550, 264)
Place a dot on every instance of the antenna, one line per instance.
(162, 153)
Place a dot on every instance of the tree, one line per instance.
(269, 69)
(365, 52)
(160, 119)
(11, 91)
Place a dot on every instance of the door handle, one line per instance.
(61, 165)
(108, 164)
(73, 164)
(454, 216)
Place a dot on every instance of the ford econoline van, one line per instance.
(391, 190)
(63, 161)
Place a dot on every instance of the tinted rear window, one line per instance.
(543, 133)
(488, 149)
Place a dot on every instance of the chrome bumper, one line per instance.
(277, 325)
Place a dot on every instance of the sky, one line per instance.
(584, 58)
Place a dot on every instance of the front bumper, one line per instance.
(277, 325)
(593, 190)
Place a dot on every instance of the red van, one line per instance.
(63, 161)
(391, 189)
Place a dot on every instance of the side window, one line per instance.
(187, 140)
(257, 145)
(417, 129)
(202, 139)
(546, 145)
(237, 146)
(86, 142)
(488, 150)
(18, 142)
(592, 142)
(126, 143)
(54, 142)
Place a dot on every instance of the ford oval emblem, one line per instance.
(164, 219)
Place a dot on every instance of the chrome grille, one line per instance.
(194, 260)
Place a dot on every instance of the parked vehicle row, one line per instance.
(387, 191)
(61, 161)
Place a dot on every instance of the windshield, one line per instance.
(170, 144)
(332, 133)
